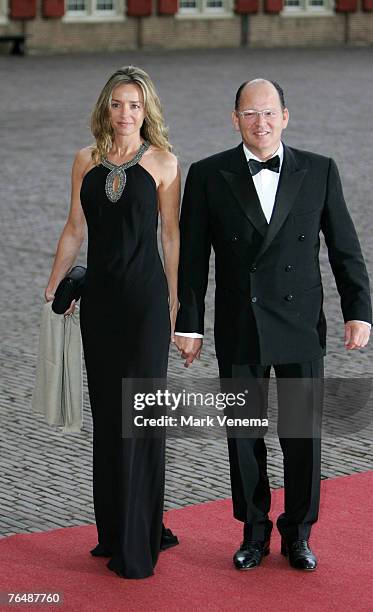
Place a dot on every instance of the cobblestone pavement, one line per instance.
(45, 478)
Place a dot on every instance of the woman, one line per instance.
(128, 307)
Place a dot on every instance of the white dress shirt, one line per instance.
(266, 183)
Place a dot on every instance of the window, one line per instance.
(94, 9)
(76, 6)
(3, 11)
(186, 6)
(105, 5)
(205, 7)
(211, 4)
(307, 7)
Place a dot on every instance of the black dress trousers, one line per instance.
(300, 396)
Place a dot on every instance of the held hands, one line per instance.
(189, 348)
(49, 297)
(356, 335)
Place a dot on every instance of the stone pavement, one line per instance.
(45, 477)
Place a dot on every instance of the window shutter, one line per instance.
(167, 7)
(139, 8)
(346, 6)
(22, 9)
(273, 6)
(53, 8)
(246, 6)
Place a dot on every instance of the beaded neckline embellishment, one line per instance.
(119, 171)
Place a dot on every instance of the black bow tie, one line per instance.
(271, 164)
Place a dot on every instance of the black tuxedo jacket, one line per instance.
(269, 296)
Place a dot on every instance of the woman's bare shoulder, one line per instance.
(164, 157)
(165, 163)
(83, 160)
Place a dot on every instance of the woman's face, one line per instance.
(126, 110)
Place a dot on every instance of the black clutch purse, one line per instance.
(69, 289)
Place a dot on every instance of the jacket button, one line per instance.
(253, 268)
(234, 238)
(289, 297)
(288, 268)
(301, 238)
(254, 299)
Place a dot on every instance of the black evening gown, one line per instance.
(125, 329)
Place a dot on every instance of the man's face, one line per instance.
(261, 133)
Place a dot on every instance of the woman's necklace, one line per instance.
(119, 171)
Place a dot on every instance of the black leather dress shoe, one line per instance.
(250, 554)
(168, 539)
(299, 553)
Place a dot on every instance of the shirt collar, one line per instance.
(250, 155)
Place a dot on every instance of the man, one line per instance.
(262, 206)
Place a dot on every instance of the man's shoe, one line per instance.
(299, 553)
(250, 554)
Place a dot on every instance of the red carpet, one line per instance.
(198, 574)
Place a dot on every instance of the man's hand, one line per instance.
(356, 335)
(189, 348)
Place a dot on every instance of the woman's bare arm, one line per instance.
(73, 233)
(169, 207)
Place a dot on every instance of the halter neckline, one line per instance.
(118, 172)
(143, 147)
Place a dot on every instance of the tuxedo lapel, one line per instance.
(291, 178)
(239, 179)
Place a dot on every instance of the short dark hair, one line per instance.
(277, 87)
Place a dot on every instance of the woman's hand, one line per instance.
(70, 310)
(174, 307)
(49, 297)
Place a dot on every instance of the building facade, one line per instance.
(113, 25)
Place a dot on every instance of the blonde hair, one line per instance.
(153, 128)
